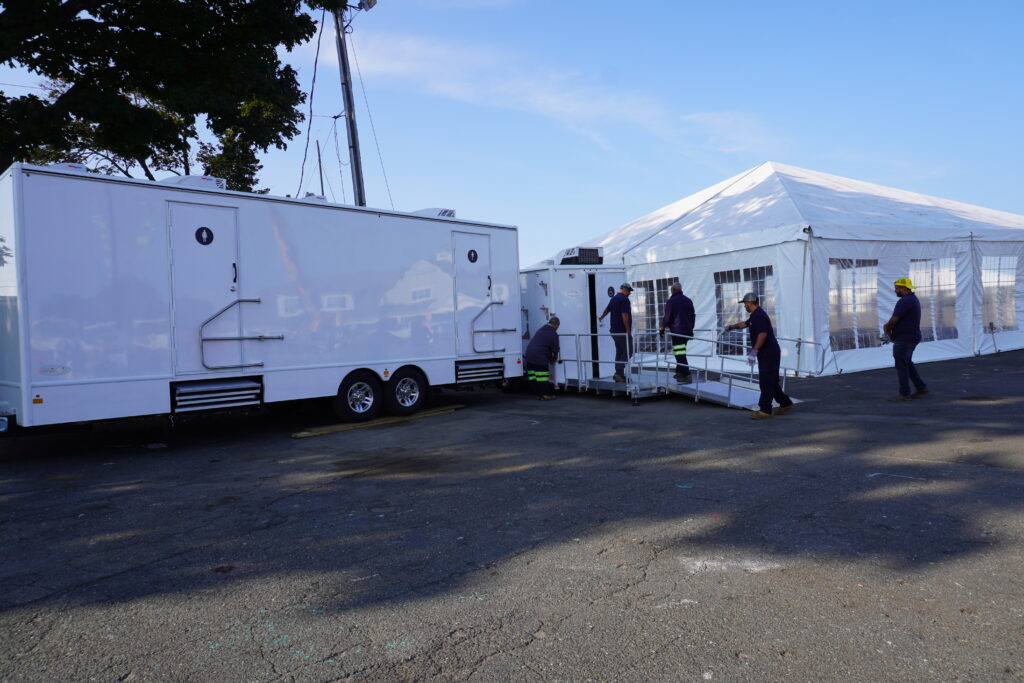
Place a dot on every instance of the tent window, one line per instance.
(935, 285)
(853, 301)
(999, 283)
(650, 298)
(730, 286)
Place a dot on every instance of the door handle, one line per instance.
(488, 283)
(234, 272)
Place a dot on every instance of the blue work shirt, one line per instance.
(543, 348)
(757, 323)
(616, 307)
(679, 315)
(908, 327)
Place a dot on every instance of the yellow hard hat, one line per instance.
(904, 282)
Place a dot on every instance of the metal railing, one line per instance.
(661, 362)
(473, 331)
(203, 339)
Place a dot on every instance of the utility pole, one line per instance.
(358, 190)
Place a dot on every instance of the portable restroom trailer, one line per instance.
(121, 297)
(576, 286)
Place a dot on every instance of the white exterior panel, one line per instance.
(577, 294)
(11, 346)
(119, 276)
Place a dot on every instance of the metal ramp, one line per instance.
(651, 374)
(728, 391)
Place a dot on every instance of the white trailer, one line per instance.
(576, 286)
(121, 297)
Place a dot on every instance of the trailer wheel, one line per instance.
(359, 398)
(407, 392)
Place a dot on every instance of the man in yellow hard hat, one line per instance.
(904, 329)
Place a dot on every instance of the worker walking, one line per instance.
(764, 348)
(904, 329)
(621, 325)
(680, 317)
(540, 353)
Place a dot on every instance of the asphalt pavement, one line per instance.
(852, 539)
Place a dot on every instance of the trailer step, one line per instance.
(216, 393)
(479, 370)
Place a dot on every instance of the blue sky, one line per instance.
(569, 119)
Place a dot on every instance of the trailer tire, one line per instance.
(360, 397)
(407, 392)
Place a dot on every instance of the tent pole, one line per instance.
(975, 276)
(803, 299)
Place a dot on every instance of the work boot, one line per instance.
(919, 393)
(547, 397)
(900, 398)
(619, 378)
(760, 415)
(782, 410)
(684, 379)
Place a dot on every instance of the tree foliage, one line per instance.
(131, 82)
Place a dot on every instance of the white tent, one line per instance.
(822, 252)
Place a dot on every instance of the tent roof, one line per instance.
(774, 202)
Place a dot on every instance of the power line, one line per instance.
(327, 180)
(19, 85)
(337, 153)
(312, 90)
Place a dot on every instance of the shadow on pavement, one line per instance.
(401, 512)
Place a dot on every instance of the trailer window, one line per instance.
(730, 286)
(999, 284)
(336, 302)
(853, 303)
(935, 286)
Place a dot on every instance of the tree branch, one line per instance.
(141, 161)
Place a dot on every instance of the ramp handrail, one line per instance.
(203, 339)
(661, 360)
(473, 331)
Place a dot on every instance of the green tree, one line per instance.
(132, 81)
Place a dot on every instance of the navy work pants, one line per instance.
(623, 350)
(906, 372)
(539, 377)
(679, 351)
(768, 379)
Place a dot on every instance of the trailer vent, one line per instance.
(204, 181)
(435, 213)
(479, 370)
(582, 256)
(216, 393)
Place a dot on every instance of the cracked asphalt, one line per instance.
(574, 540)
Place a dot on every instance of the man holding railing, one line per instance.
(680, 317)
(621, 326)
(540, 353)
(764, 349)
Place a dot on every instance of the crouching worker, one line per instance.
(766, 352)
(540, 353)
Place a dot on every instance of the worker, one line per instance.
(904, 329)
(764, 349)
(679, 319)
(621, 326)
(540, 353)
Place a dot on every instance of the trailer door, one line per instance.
(473, 287)
(204, 281)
